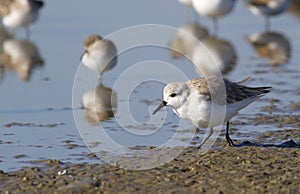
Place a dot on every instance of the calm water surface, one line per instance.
(37, 116)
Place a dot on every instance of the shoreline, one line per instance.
(248, 167)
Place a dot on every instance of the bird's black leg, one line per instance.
(229, 140)
(203, 142)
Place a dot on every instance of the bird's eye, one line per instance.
(173, 95)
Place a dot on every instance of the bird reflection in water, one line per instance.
(271, 45)
(20, 55)
(187, 38)
(100, 104)
(214, 55)
(4, 35)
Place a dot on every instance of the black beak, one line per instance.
(160, 106)
(82, 55)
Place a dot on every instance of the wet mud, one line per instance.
(249, 167)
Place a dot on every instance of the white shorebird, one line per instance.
(19, 13)
(100, 54)
(268, 8)
(213, 8)
(194, 101)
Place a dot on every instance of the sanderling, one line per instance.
(193, 101)
(100, 54)
(268, 8)
(271, 45)
(19, 13)
(213, 8)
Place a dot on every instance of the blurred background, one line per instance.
(38, 65)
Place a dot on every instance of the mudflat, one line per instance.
(247, 168)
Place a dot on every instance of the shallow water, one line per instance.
(37, 115)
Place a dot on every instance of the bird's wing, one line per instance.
(5, 6)
(236, 92)
(225, 92)
(213, 88)
(200, 85)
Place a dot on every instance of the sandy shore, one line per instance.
(247, 168)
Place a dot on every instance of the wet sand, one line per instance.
(249, 167)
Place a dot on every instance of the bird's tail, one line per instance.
(261, 91)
